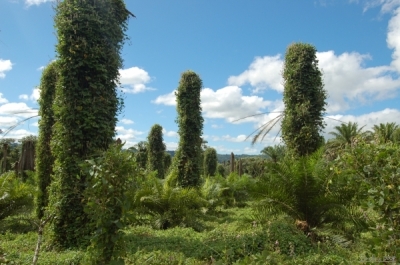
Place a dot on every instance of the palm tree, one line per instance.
(345, 133)
(275, 152)
(386, 132)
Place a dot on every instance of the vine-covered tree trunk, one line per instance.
(44, 157)
(304, 98)
(90, 37)
(156, 150)
(190, 122)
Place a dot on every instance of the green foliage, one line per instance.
(210, 162)
(375, 170)
(386, 132)
(156, 150)
(167, 204)
(287, 239)
(90, 37)
(304, 98)
(221, 170)
(308, 191)
(44, 157)
(15, 195)
(275, 153)
(237, 189)
(167, 162)
(110, 178)
(141, 156)
(190, 122)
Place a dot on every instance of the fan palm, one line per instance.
(386, 132)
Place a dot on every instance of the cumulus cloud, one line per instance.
(127, 134)
(263, 73)
(170, 133)
(7, 121)
(393, 39)
(347, 81)
(226, 103)
(36, 2)
(346, 78)
(134, 80)
(368, 120)
(2, 99)
(5, 65)
(126, 121)
(18, 109)
(35, 95)
(230, 104)
(23, 97)
(167, 99)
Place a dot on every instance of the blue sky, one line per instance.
(237, 48)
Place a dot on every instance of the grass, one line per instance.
(231, 237)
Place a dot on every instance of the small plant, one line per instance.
(111, 176)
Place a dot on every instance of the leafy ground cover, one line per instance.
(230, 236)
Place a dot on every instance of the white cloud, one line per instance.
(368, 120)
(19, 134)
(5, 65)
(23, 97)
(7, 121)
(225, 103)
(35, 95)
(127, 121)
(263, 73)
(217, 126)
(167, 99)
(170, 133)
(393, 39)
(2, 99)
(347, 81)
(171, 146)
(127, 134)
(134, 80)
(36, 2)
(250, 150)
(18, 109)
(230, 104)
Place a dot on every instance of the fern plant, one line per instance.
(306, 190)
(167, 204)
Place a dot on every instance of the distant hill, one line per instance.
(225, 157)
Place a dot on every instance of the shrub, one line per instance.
(15, 195)
(167, 204)
(110, 178)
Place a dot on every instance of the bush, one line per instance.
(110, 178)
(167, 204)
(15, 195)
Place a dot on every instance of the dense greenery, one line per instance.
(44, 156)
(156, 150)
(90, 37)
(190, 122)
(304, 98)
(110, 179)
(210, 162)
